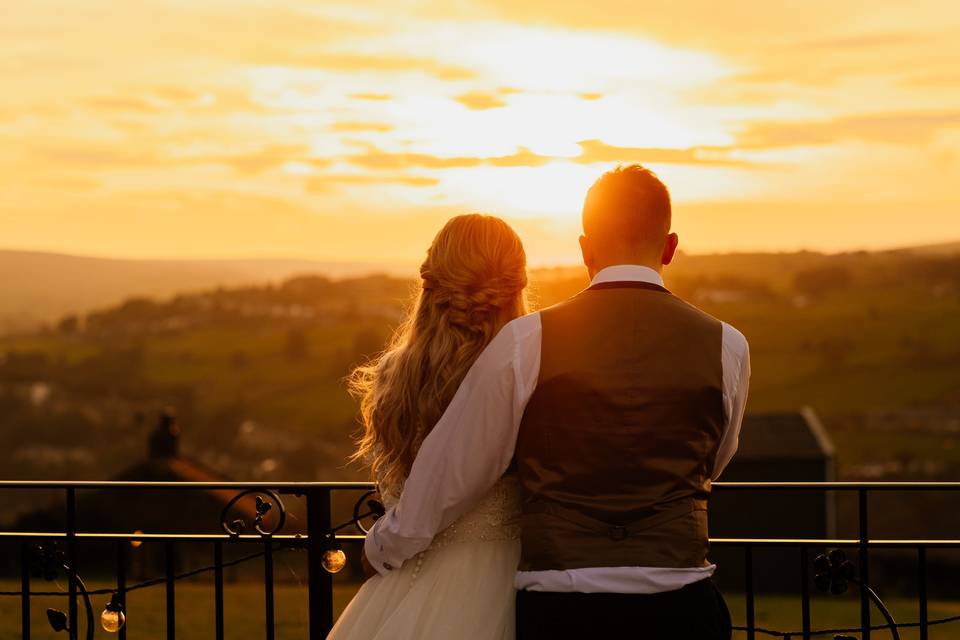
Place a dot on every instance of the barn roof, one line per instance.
(794, 434)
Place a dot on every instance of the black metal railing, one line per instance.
(321, 539)
(828, 571)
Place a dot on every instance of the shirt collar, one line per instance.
(627, 273)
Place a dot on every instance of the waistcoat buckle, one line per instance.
(618, 533)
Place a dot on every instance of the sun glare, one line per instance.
(389, 109)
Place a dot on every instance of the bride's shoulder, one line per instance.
(517, 331)
(524, 324)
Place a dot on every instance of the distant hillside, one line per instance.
(946, 248)
(871, 340)
(40, 287)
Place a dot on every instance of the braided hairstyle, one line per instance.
(472, 283)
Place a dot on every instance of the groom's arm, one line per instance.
(467, 451)
(736, 384)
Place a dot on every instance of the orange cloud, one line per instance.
(371, 96)
(480, 101)
(261, 160)
(895, 128)
(348, 62)
(176, 94)
(592, 151)
(77, 155)
(330, 182)
(597, 151)
(361, 126)
(122, 103)
(522, 158)
(375, 158)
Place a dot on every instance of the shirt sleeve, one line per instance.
(736, 384)
(467, 451)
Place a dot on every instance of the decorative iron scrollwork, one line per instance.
(47, 561)
(375, 510)
(832, 573)
(266, 501)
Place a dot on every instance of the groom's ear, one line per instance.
(669, 248)
(585, 250)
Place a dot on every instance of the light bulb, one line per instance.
(136, 543)
(111, 621)
(334, 560)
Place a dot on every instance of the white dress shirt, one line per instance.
(472, 445)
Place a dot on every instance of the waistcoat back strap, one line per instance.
(674, 510)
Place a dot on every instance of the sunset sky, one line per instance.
(351, 130)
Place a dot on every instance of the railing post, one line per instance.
(72, 560)
(748, 587)
(268, 588)
(122, 583)
(320, 582)
(171, 603)
(922, 589)
(864, 531)
(25, 589)
(218, 589)
(805, 592)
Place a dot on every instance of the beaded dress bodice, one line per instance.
(495, 517)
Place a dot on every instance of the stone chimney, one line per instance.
(164, 441)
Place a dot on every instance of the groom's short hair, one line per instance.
(628, 203)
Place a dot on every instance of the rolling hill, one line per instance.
(37, 287)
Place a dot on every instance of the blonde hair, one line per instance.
(472, 283)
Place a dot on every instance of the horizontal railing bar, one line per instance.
(111, 484)
(831, 542)
(840, 486)
(358, 486)
(726, 542)
(179, 537)
(133, 537)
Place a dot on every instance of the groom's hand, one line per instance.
(368, 570)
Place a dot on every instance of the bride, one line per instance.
(461, 587)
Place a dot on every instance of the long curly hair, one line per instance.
(472, 284)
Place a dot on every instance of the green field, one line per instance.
(884, 340)
(244, 612)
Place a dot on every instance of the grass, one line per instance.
(244, 612)
(146, 611)
(783, 613)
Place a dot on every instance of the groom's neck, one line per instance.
(594, 269)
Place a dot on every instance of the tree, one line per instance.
(297, 346)
(69, 325)
(817, 282)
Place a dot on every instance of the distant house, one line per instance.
(774, 447)
(142, 511)
(129, 510)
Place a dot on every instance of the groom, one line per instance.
(619, 407)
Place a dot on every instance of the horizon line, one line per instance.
(363, 261)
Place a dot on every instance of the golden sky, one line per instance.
(351, 130)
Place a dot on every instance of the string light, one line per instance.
(112, 619)
(334, 559)
(46, 562)
(136, 543)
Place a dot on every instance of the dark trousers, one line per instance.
(695, 612)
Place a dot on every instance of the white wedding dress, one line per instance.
(460, 588)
